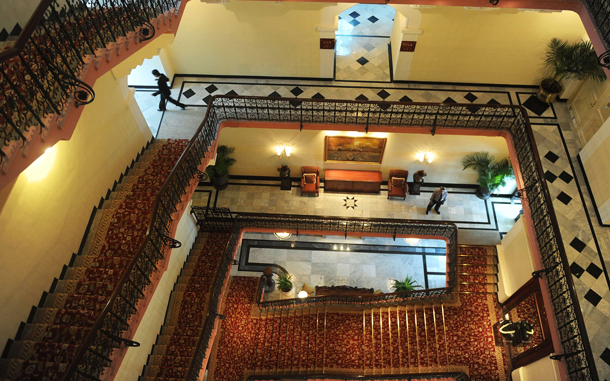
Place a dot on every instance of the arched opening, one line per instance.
(362, 48)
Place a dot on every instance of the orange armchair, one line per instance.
(310, 180)
(397, 183)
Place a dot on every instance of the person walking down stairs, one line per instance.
(166, 95)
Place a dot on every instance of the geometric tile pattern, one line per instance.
(362, 43)
(579, 240)
(535, 108)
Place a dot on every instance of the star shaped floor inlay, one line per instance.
(350, 202)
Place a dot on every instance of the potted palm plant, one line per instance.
(492, 173)
(564, 60)
(219, 172)
(284, 283)
(409, 284)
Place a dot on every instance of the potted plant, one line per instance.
(409, 284)
(284, 283)
(564, 60)
(492, 173)
(219, 172)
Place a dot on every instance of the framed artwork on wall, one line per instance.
(348, 149)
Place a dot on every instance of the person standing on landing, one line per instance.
(438, 198)
(166, 95)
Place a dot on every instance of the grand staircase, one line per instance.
(422, 337)
(45, 345)
(187, 311)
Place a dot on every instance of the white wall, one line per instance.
(256, 156)
(515, 263)
(544, 369)
(42, 222)
(142, 75)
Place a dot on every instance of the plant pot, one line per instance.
(220, 182)
(549, 90)
(483, 193)
(286, 294)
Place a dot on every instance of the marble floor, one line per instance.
(334, 260)
(586, 242)
(362, 43)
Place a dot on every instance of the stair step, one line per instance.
(55, 316)
(37, 351)
(165, 371)
(102, 262)
(85, 287)
(24, 370)
(74, 302)
(169, 361)
(173, 350)
(54, 333)
(99, 274)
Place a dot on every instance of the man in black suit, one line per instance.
(166, 95)
(438, 198)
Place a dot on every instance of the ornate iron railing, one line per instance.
(599, 10)
(511, 120)
(41, 74)
(394, 377)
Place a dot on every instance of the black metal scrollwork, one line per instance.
(604, 59)
(172, 243)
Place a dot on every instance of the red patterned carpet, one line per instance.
(370, 341)
(52, 337)
(188, 308)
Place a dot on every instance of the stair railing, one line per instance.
(41, 74)
(433, 117)
(456, 376)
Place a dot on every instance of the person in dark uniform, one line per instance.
(438, 198)
(166, 95)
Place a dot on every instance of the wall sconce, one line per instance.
(425, 157)
(302, 294)
(412, 241)
(283, 235)
(283, 151)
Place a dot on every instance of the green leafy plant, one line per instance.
(409, 284)
(284, 282)
(223, 162)
(492, 173)
(564, 60)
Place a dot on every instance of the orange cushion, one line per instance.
(397, 182)
(310, 178)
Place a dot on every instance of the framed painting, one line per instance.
(348, 149)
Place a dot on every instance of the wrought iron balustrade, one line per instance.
(511, 120)
(41, 74)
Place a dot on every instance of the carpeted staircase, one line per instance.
(427, 337)
(46, 343)
(187, 310)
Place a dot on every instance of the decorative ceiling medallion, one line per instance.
(350, 202)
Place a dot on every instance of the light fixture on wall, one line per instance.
(283, 151)
(413, 241)
(283, 235)
(425, 157)
(302, 294)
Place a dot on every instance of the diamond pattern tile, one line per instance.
(578, 245)
(550, 176)
(318, 96)
(563, 197)
(551, 156)
(362, 61)
(361, 97)
(493, 102)
(594, 270)
(606, 356)
(232, 93)
(406, 99)
(473, 109)
(354, 14)
(296, 91)
(471, 97)
(449, 100)
(383, 94)
(592, 297)
(576, 270)
(535, 105)
(188, 93)
(210, 89)
(274, 94)
(206, 100)
(566, 177)
(373, 19)
(354, 22)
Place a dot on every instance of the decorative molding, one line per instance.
(408, 46)
(412, 31)
(327, 43)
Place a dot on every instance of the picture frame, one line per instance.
(354, 149)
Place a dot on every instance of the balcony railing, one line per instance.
(395, 377)
(41, 74)
(511, 120)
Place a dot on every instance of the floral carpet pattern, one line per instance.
(417, 338)
(188, 307)
(50, 340)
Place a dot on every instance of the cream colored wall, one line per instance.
(501, 45)
(256, 156)
(543, 369)
(42, 223)
(153, 318)
(515, 263)
(595, 158)
(249, 38)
